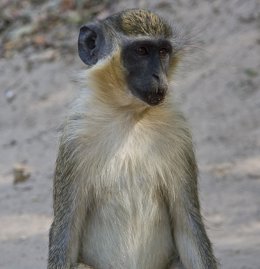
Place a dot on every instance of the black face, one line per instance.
(147, 63)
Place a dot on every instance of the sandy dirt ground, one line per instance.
(220, 95)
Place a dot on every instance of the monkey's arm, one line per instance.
(189, 232)
(69, 212)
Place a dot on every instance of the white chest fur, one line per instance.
(128, 162)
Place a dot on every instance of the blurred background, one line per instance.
(220, 95)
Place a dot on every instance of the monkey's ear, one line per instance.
(90, 43)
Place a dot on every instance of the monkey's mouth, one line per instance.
(153, 97)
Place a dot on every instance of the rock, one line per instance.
(21, 173)
(39, 40)
(13, 142)
(248, 11)
(73, 17)
(21, 31)
(250, 72)
(163, 5)
(45, 56)
(10, 95)
(67, 5)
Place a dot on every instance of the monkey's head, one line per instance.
(134, 51)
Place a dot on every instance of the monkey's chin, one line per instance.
(154, 99)
(154, 102)
(150, 97)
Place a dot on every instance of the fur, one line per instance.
(129, 159)
(125, 187)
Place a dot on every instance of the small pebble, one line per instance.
(21, 173)
(10, 95)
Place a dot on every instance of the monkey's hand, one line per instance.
(81, 266)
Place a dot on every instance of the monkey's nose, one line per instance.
(156, 77)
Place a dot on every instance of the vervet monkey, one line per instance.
(125, 187)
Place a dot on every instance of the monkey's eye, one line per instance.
(142, 51)
(164, 52)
